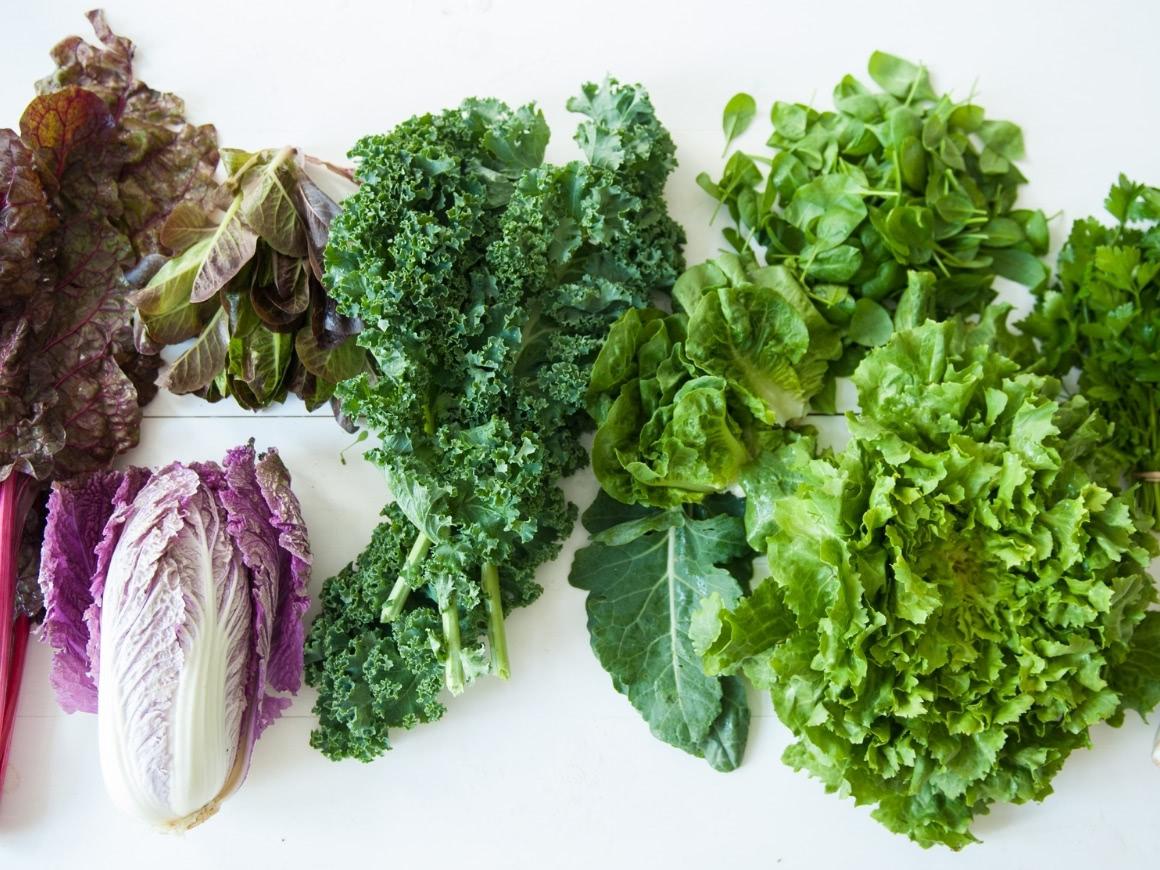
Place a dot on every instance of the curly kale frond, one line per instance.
(486, 281)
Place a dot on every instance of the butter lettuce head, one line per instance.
(957, 597)
(681, 400)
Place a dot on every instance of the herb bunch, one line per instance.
(1102, 316)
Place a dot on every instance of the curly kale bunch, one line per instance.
(957, 597)
(486, 281)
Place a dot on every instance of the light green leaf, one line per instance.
(739, 114)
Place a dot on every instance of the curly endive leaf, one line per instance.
(957, 597)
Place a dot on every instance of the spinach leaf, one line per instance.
(854, 202)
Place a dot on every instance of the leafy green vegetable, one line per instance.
(245, 283)
(738, 115)
(99, 162)
(957, 597)
(1102, 315)
(889, 183)
(486, 282)
(646, 571)
(681, 400)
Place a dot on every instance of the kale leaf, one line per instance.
(646, 572)
(485, 282)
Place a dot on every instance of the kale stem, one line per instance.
(454, 666)
(497, 634)
(397, 600)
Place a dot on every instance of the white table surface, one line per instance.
(554, 769)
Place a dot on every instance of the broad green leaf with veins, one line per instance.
(642, 593)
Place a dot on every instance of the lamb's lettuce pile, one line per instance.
(894, 179)
(485, 281)
(957, 597)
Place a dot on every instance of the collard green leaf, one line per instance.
(642, 595)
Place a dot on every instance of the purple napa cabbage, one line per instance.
(174, 606)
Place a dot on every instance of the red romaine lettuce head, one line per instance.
(100, 161)
(145, 575)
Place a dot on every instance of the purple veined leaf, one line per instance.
(65, 127)
(27, 217)
(165, 159)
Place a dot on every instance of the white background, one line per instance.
(554, 769)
